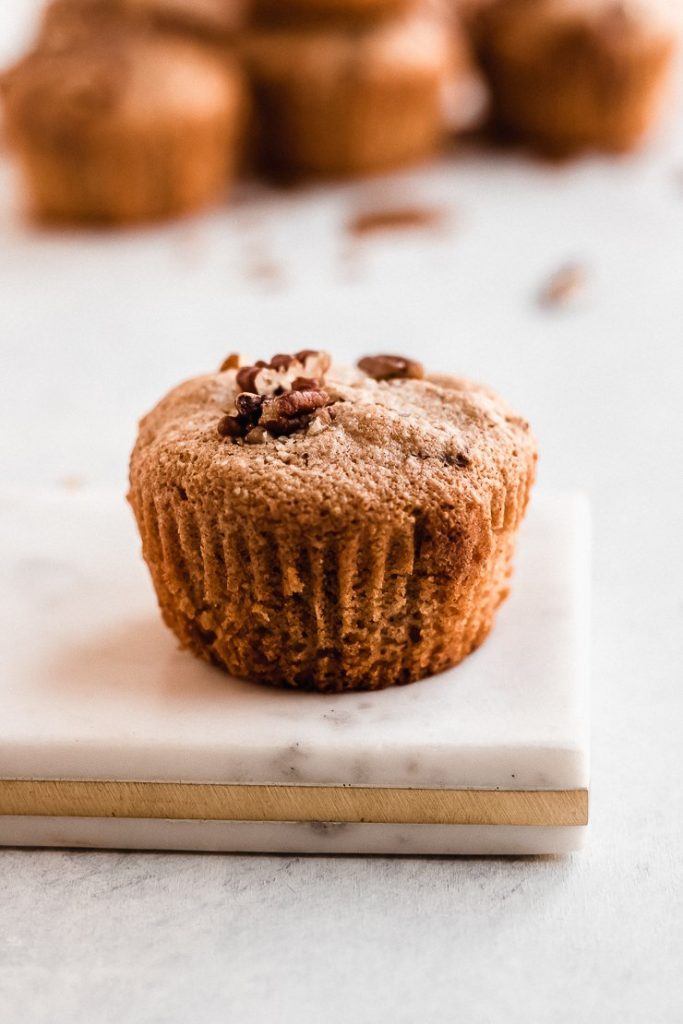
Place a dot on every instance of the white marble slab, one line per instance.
(93, 686)
(289, 836)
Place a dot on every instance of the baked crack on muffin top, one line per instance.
(326, 527)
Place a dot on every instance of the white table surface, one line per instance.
(94, 328)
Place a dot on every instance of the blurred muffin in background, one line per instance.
(335, 99)
(466, 96)
(214, 21)
(288, 11)
(569, 75)
(123, 125)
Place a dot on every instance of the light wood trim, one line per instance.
(226, 802)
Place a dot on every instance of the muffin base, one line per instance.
(356, 611)
(125, 179)
(359, 126)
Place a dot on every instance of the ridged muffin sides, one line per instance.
(370, 550)
(336, 99)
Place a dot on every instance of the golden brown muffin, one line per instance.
(568, 75)
(127, 126)
(335, 100)
(327, 529)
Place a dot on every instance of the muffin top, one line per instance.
(301, 439)
(213, 20)
(525, 24)
(415, 41)
(83, 83)
(341, 11)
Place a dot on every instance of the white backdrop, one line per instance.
(94, 327)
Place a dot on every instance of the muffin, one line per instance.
(569, 75)
(123, 126)
(328, 529)
(334, 100)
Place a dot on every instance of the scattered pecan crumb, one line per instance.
(385, 367)
(392, 219)
(261, 268)
(563, 286)
(71, 482)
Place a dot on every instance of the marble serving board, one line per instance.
(112, 737)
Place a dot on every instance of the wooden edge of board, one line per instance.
(237, 802)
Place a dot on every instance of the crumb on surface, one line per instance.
(563, 286)
(399, 218)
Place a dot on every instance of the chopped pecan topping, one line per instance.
(285, 414)
(315, 364)
(278, 397)
(276, 377)
(231, 426)
(248, 414)
(282, 362)
(249, 406)
(391, 368)
(246, 378)
(305, 384)
(231, 362)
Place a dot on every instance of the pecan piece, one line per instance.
(248, 406)
(391, 368)
(281, 362)
(315, 364)
(285, 414)
(231, 362)
(246, 378)
(231, 426)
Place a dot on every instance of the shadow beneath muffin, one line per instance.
(137, 657)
